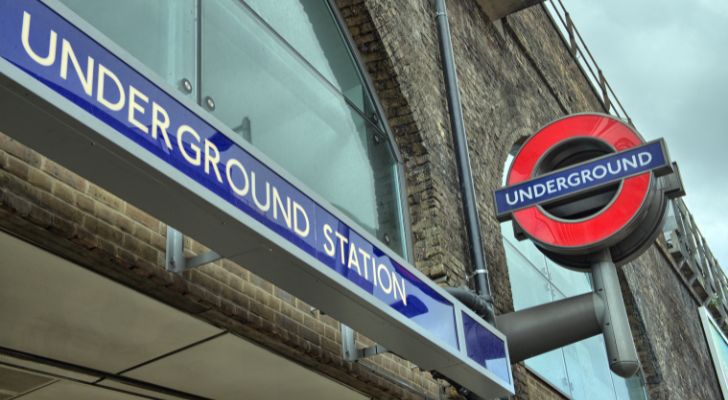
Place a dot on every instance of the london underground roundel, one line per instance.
(586, 183)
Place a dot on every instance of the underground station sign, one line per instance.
(591, 193)
(76, 97)
(585, 183)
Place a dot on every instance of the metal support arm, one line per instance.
(543, 328)
(349, 349)
(547, 327)
(175, 256)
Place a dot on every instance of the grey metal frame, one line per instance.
(88, 146)
(697, 266)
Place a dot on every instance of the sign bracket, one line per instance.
(175, 254)
(350, 352)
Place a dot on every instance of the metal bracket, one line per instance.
(175, 255)
(349, 349)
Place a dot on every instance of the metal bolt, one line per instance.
(377, 139)
(210, 103)
(186, 85)
(375, 117)
(387, 239)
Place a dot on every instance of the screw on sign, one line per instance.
(590, 192)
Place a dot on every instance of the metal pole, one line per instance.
(550, 326)
(462, 158)
(615, 326)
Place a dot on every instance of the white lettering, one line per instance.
(627, 163)
(515, 198)
(240, 191)
(194, 145)
(342, 241)
(586, 176)
(161, 124)
(86, 79)
(298, 210)
(134, 93)
(399, 288)
(539, 190)
(329, 245)
(104, 73)
(526, 194)
(645, 158)
(550, 186)
(561, 183)
(387, 289)
(46, 61)
(262, 207)
(573, 179)
(278, 205)
(601, 174)
(614, 169)
(353, 259)
(212, 157)
(366, 258)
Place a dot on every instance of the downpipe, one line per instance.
(462, 158)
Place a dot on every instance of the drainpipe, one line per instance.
(467, 190)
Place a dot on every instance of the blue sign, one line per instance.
(582, 177)
(45, 46)
(68, 61)
(485, 348)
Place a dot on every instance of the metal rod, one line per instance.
(462, 158)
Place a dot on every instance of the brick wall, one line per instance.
(666, 325)
(514, 78)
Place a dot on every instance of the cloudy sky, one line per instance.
(667, 61)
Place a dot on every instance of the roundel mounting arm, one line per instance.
(590, 193)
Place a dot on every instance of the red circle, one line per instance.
(549, 230)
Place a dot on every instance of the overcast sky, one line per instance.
(667, 61)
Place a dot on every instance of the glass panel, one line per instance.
(570, 283)
(266, 93)
(588, 369)
(629, 389)
(530, 288)
(550, 366)
(311, 30)
(525, 247)
(162, 35)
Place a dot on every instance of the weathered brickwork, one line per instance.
(665, 321)
(514, 78)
